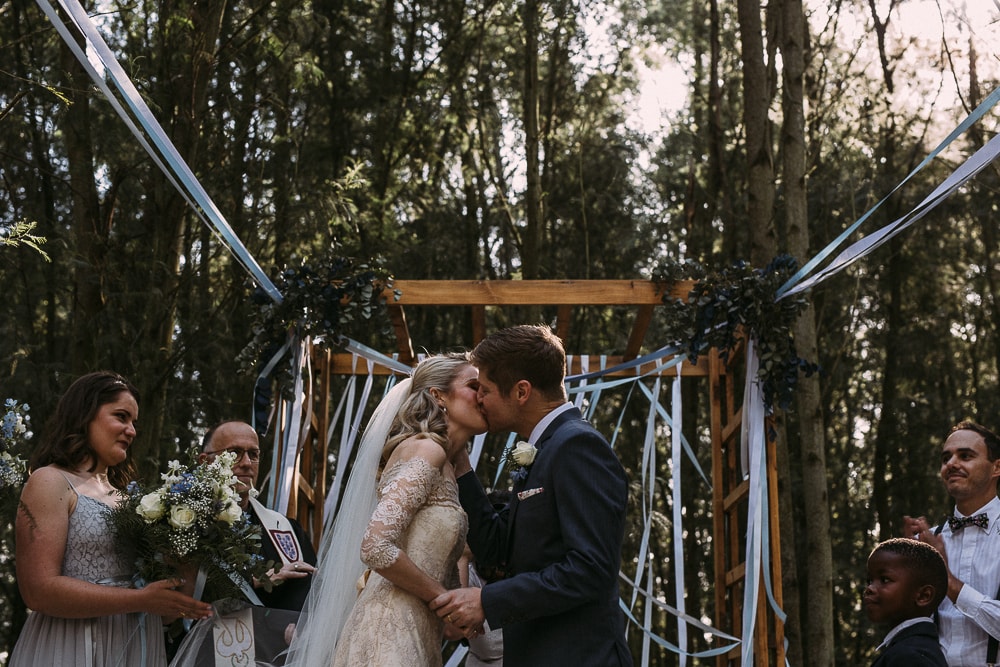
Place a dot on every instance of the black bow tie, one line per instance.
(957, 523)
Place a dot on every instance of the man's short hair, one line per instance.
(923, 561)
(210, 433)
(528, 352)
(991, 439)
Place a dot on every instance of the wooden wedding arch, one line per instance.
(730, 488)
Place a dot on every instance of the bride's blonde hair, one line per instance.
(420, 413)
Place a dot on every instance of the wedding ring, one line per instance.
(183, 614)
(448, 618)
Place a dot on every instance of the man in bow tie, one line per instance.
(560, 538)
(969, 540)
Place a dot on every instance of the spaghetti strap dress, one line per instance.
(118, 640)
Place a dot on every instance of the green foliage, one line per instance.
(19, 234)
(327, 300)
(725, 305)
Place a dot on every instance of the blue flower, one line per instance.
(185, 485)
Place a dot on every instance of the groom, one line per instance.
(560, 538)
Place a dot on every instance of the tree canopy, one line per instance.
(487, 139)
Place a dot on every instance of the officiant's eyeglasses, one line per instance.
(238, 452)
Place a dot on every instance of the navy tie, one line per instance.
(957, 523)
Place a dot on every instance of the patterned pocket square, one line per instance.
(529, 492)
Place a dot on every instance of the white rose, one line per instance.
(182, 516)
(230, 513)
(523, 454)
(150, 507)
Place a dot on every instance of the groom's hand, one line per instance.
(462, 607)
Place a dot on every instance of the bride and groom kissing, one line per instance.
(413, 501)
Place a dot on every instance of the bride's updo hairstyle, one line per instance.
(420, 413)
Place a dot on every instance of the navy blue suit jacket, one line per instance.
(560, 544)
(915, 646)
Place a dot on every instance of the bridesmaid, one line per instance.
(71, 573)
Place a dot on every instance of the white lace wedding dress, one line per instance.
(418, 512)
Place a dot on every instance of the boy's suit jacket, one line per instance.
(915, 646)
(559, 541)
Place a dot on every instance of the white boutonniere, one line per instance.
(523, 455)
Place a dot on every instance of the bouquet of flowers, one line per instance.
(192, 518)
(13, 429)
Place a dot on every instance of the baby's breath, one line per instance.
(192, 517)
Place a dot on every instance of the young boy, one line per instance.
(907, 580)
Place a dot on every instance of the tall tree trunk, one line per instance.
(760, 162)
(89, 233)
(167, 210)
(819, 574)
(530, 264)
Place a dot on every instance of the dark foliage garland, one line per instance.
(740, 298)
(327, 299)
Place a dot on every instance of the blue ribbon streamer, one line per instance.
(176, 169)
(972, 118)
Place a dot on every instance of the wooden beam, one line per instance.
(638, 333)
(533, 292)
(403, 342)
(343, 364)
(478, 324)
(564, 317)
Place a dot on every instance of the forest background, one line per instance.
(486, 139)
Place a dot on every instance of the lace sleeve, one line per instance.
(404, 489)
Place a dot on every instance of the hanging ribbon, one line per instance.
(865, 246)
(754, 462)
(649, 476)
(291, 410)
(689, 619)
(168, 159)
(350, 432)
(675, 478)
(786, 289)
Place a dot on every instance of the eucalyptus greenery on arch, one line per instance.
(327, 299)
(739, 298)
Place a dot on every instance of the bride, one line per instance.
(401, 513)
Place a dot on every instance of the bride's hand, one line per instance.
(453, 633)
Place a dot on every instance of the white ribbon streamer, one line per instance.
(865, 246)
(675, 478)
(175, 169)
(752, 445)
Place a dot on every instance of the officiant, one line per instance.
(282, 538)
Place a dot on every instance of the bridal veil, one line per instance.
(334, 587)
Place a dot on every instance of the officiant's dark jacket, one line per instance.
(915, 646)
(291, 593)
(559, 541)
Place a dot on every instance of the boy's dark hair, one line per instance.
(991, 439)
(527, 352)
(924, 561)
